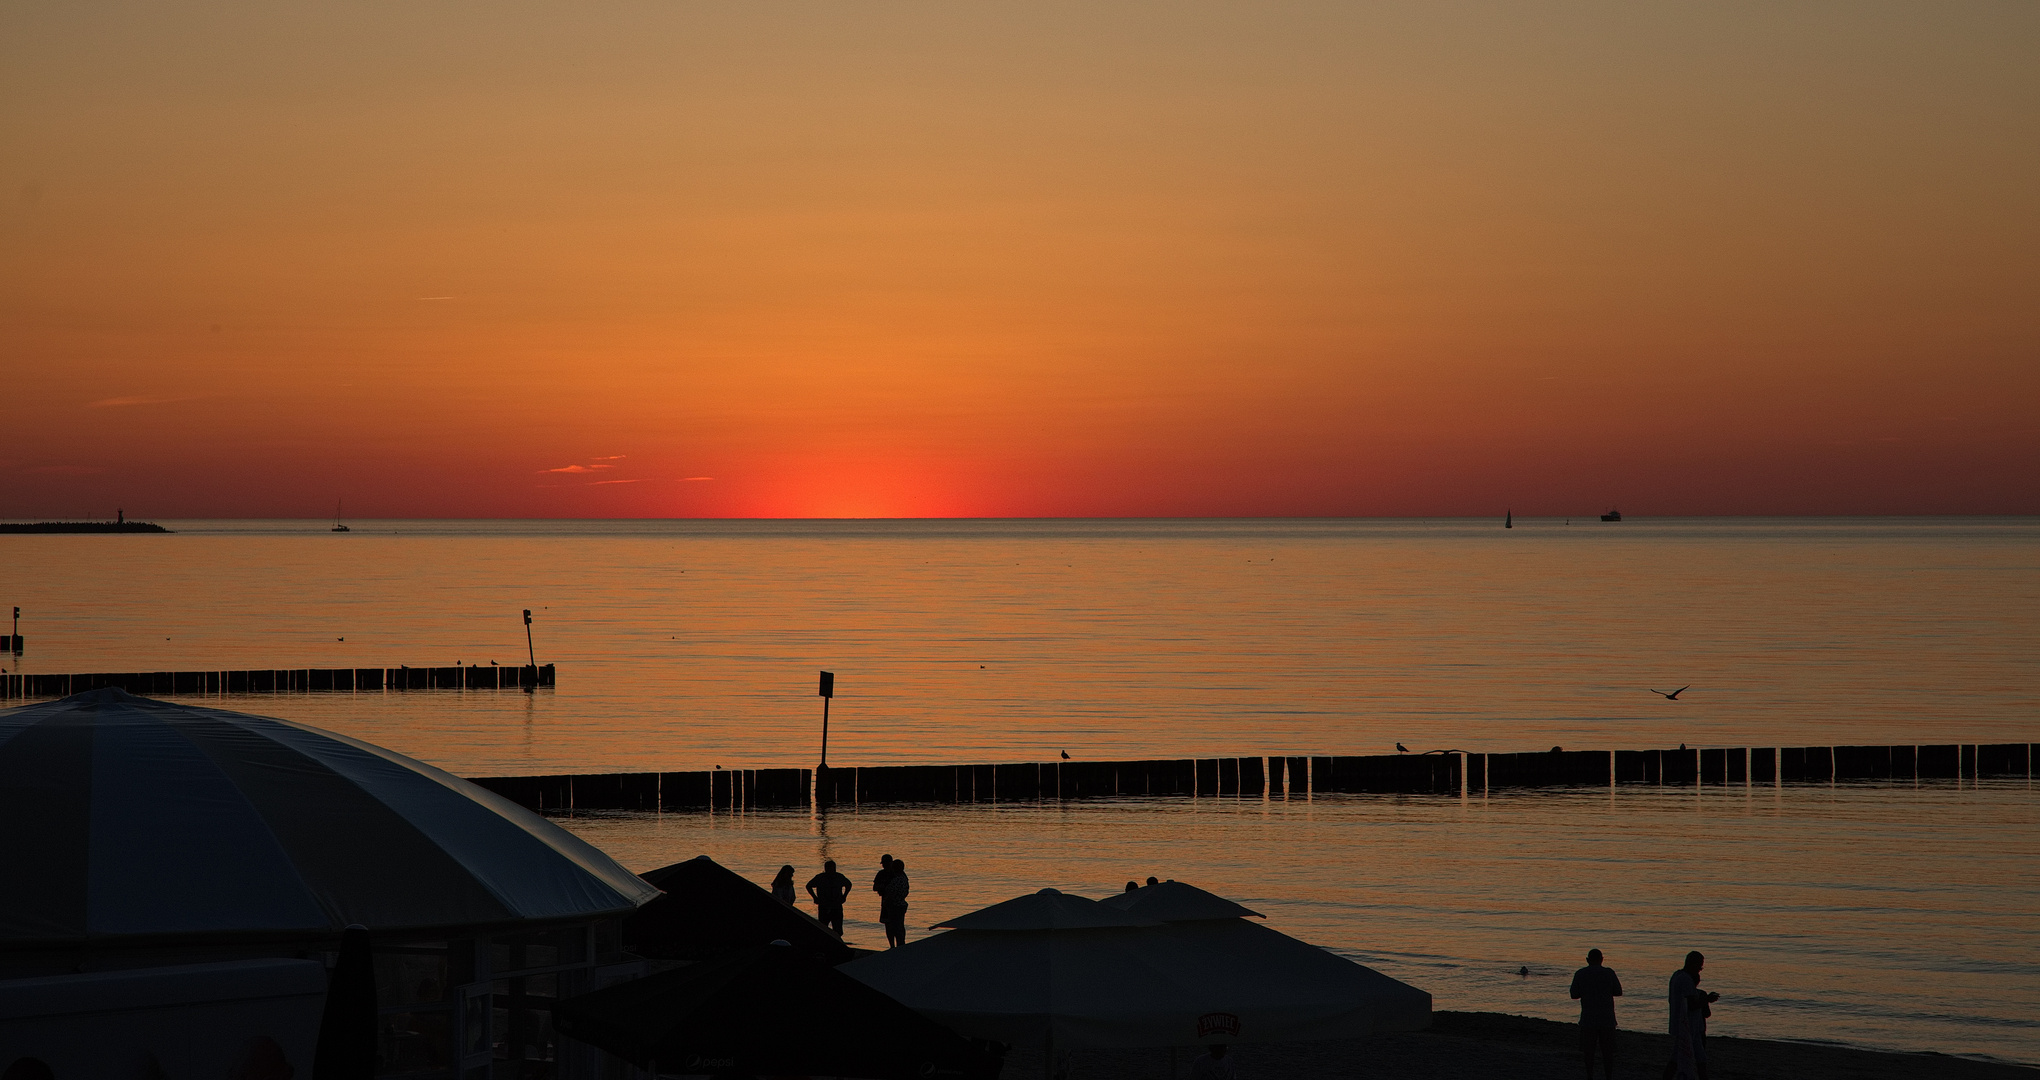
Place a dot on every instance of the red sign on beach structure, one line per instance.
(1218, 1024)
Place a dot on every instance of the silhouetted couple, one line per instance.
(890, 883)
(1690, 1008)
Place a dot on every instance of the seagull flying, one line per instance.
(1674, 695)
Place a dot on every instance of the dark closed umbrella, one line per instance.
(770, 1010)
(346, 1048)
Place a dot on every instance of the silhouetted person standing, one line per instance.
(828, 890)
(892, 910)
(782, 886)
(1596, 988)
(1686, 1002)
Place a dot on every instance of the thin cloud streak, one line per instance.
(132, 400)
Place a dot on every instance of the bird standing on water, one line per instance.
(1674, 695)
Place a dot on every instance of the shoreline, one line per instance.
(1482, 1045)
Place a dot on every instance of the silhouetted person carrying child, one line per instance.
(1596, 988)
(828, 890)
(1696, 1018)
(892, 910)
(782, 886)
(885, 873)
(1688, 1007)
(878, 883)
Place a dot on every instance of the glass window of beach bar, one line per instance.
(480, 1008)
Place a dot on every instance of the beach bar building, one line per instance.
(179, 880)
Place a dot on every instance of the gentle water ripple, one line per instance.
(1880, 915)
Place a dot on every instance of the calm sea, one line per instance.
(1879, 915)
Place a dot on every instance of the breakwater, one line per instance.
(280, 681)
(1258, 777)
(52, 527)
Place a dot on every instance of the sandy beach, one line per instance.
(1481, 1046)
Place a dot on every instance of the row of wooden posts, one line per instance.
(1254, 777)
(281, 681)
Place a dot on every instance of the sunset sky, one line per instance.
(676, 259)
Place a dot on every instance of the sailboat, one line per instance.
(337, 527)
(1508, 519)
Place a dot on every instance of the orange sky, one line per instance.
(900, 259)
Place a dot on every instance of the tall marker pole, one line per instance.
(828, 691)
(530, 684)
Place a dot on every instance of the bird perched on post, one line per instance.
(1066, 755)
(1401, 749)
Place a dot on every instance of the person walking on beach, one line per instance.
(828, 890)
(1687, 1003)
(782, 886)
(892, 911)
(1596, 988)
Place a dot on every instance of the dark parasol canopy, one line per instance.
(710, 910)
(770, 1010)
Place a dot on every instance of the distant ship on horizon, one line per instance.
(1612, 515)
(337, 527)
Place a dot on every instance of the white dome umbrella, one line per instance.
(145, 822)
(1049, 969)
(1056, 970)
(1295, 991)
